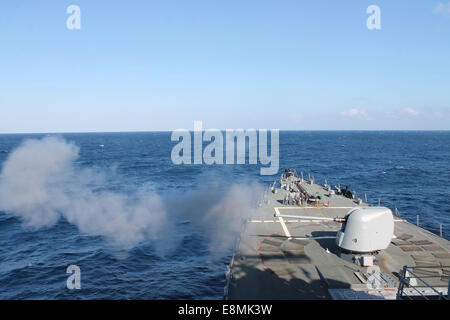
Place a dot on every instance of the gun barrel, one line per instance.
(337, 219)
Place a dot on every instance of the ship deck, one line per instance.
(273, 260)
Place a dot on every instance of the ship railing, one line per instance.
(408, 276)
(228, 272)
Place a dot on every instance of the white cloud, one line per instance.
(442, 8)
(411, 111)
(355, 112)
(351, 112)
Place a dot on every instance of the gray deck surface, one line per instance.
(268, 265)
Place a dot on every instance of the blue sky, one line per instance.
(160, 65)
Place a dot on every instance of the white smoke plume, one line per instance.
(219, 209)
(226, 217)
(40, 183)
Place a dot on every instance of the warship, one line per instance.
(311, 241)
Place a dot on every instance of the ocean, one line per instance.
(140, 227)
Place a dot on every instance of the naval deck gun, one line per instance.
(365, 231)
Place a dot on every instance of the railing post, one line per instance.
(417, 220)
(401, 283)
(440, 232)
(448, 289)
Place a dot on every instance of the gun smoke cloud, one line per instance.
(40, 183)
